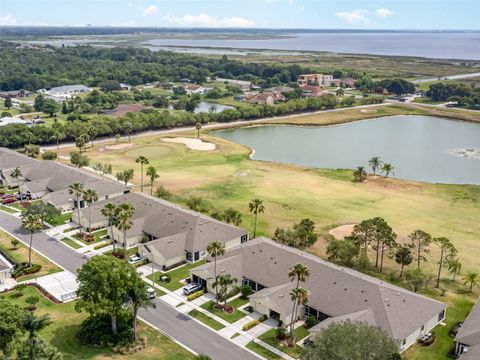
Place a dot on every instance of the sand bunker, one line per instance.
(118, 146)
(192, 143)
(341, 231)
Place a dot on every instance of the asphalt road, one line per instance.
(168, 320)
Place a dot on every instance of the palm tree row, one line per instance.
(151, 172)
(360, 174)
(89, 196)
(121, 217)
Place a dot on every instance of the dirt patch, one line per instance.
(341, 231)
(118, 146)
(192, 143)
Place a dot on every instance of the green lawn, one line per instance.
(7, 191)
(206, 319)
(176, 275)
(260, 350)
(231, 318)
(71, 243)
(459, 307)
(8, 209)
(66, 322)
(269, 338)
(238, 302)
(157, 291)
(61, 219)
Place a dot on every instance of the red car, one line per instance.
(9, 200)
(7, 196)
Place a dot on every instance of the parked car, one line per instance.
(9, 200)
(23, 197)
(135, 259)
(191, 288)
(151, 292)
(7, 196)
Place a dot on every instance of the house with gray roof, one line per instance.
(67, 90)
(50, 180)
(336, 293)
(165, 233)
(467, 340)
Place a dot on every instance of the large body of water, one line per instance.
(420, 148)
(442, 45)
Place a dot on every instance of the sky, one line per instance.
(311, 14)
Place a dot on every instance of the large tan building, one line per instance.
(314, 79)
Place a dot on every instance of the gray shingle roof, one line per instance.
(469, 334)
(336, 290)
(473, 353)
(163, 219)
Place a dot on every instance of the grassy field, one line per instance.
(66, 322)
(21, 255)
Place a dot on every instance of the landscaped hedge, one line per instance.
(230, 294)
(195, 295)
(250, 325)
(24, 269)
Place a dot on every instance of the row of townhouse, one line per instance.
(50, 180)
(335, 293)
(467, 340)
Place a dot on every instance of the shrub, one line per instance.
(32, 301)
(246, 291)
(96, 330)
(311, 322)
(262, 318)
(49, 155)
(250, 325)
(24, 269)
(195, 295)
(19, 289)
(163, 193)
(14, 243)
(280, 333)
(119, 253)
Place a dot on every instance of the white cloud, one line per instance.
(152, 9)
(384, 12)
(205, 20)
(359, 16)
(7, 20)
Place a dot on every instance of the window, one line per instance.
(404, 342)
(309, 311)
(423, 328)
(197, 256)
(244, 239)
(441, 316)
(188, 255)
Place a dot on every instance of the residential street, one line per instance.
(176, 325)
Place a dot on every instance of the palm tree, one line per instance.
(152, 174)
(31, 223)
(198, 126)
(300, 273)
(298, 296)
(359, 174)
(403, 257)
(223, 282)
(339, 92)
(76, 189)
(33, 325)
(256, 207)
(17, 174)
(58, 136)
(143, 161)
(123, 222)
(387, 168)
(110, 211)
(139, 299)
(90, 196)
(375, 163)
(471, 278)
(215, 249)
(454, 266)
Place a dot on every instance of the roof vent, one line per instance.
(334, 283)
(387, 300)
